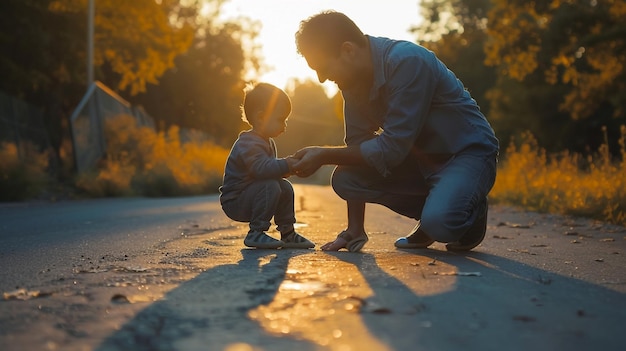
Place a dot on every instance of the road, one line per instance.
(37, 237)
(173, 274)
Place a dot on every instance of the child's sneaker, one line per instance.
(261, 241)
(297, 241)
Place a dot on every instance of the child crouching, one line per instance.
(254, 188)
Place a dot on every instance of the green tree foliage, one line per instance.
(455, 31)
(137, 40)
(555, 68)
(565, 60)
(41, 61)
(43, 54)
(578, 43)
(43, 50)
(44, 42)
(23, 25)
(445, 16)
(205, 88)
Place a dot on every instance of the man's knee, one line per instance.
(441, 227)
(343, 182)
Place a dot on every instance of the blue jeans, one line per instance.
(446, 201)
(261, 201)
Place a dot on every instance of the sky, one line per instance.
(280, 20)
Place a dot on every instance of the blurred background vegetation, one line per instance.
(549, 75)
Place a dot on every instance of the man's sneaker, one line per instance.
(475, 234)
(294, 240)
(417, 239)
(261, 241)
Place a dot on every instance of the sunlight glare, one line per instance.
(280, 20)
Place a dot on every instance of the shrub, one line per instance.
(22, 176)
(564, 183)
(141, 161)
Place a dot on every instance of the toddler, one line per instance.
(254, 188)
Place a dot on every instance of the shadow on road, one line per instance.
(209, 312)
(502, 304)
(507, 305)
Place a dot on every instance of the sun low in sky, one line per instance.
(280, 20)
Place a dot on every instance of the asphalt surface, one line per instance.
(173, 274)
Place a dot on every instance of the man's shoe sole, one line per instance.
(403, 243)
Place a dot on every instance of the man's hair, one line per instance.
(262, 98)
(326, 32)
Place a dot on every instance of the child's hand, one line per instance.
(291, 161)
(308, 160)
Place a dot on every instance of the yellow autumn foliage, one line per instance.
(566, 183)
(141, 161)
(580, 39)
(138, 39)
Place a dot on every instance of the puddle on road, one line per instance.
(317, 304)
(298, 281)
(327, 299)
(309, 287)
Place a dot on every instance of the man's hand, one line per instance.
(313, 157)
(310, 160)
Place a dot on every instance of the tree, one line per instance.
(136, 40)
(204, 90)
(456, 31)
(446, 16)
(313, 119)
(43, 57)
(38, 62)
(22, 28)
(573, 50)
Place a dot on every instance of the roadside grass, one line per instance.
(565, 183)
(142, 162)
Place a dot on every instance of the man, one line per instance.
(416, 141)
